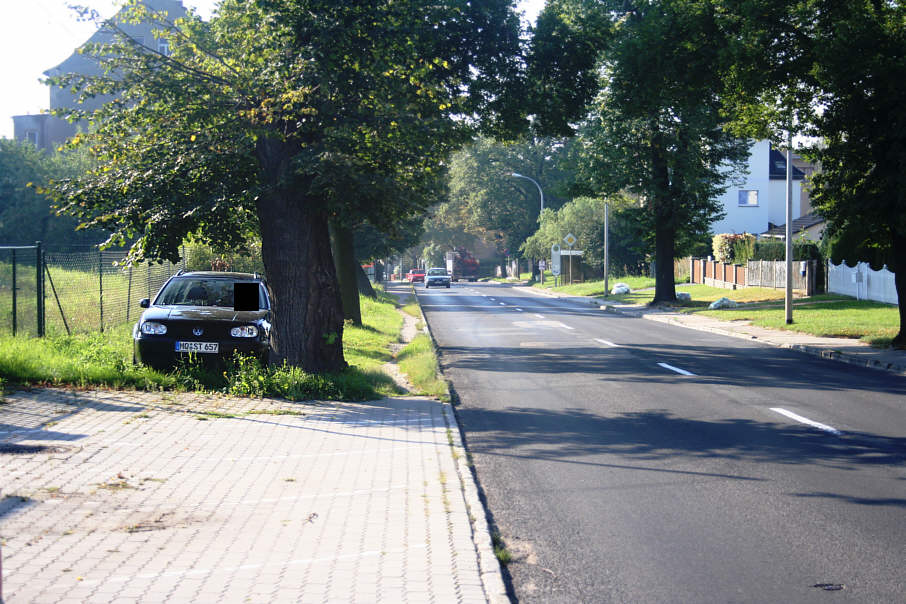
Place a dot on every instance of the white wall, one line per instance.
(771, 197)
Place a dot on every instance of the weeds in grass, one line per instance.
(418, 361)
(500, 551)
(274, 412)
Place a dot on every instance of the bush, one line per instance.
(776, 250)
(733, 247)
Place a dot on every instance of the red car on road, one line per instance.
(416, 275)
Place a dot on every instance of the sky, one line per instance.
(36, 35)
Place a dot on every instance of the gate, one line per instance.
(22, 290)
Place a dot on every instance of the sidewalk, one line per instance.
(846, 350)
(161, 497)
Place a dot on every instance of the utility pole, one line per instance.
(788, 297)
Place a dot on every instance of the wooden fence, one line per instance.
(756, 273)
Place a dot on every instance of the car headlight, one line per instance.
(152, 328)
(246, 331)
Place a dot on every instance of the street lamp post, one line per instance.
(540, 192)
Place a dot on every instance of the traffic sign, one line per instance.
(570, 239)
(555, 259)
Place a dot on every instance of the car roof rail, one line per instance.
(179, 272)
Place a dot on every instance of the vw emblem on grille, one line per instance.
(197, 331)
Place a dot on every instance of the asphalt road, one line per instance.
(626, 460)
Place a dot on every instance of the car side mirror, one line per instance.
(145, 302)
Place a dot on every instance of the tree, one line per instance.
(584, 218)
(25, 214)
(795, 67)
(487, 202)
(654, 124)
(860, 188)
(276, 117)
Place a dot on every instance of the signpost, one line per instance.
(570, 240)
(555, 261)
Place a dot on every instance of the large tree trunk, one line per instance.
(664, 227)
(341, 238)
(899, 280)
(307, 327)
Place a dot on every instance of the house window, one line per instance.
(32, 137)
(748, 198)
(163, 46)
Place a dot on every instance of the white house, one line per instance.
(758, 202)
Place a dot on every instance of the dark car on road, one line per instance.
(209, 315)
(437, 277)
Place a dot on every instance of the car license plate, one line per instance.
(203, 347)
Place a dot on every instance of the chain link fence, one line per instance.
(73, 292)
(91, 291)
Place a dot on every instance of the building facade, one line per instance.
(48, 132)
(758, 202)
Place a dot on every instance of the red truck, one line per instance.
(461, 264)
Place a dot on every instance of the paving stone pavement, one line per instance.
(112, 496)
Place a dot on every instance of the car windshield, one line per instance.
(202, 292)
(438, 271)
(417, 271)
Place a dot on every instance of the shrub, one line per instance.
(733, 247)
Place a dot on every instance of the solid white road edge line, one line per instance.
(806, 421)
(607, 343)
(676, 369)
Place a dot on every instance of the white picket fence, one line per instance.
(861, 282)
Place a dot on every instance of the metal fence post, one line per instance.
(129, 294)
(101, 286)
(14, 293)
(39, 287)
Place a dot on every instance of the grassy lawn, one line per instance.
(827, 315)
(702, 295)
(106, 360)
(596, 288)
(871, 322)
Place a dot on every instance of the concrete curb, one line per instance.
(488, 566)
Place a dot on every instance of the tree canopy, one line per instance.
(278, 116)
(833, 70)
(487, 202)
(26, 215)
(652, 124)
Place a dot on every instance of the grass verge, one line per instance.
(596, 288)
(871, 322)
(419, 361)
(106, 360)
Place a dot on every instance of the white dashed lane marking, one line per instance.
(806, 421)
(676, 369)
